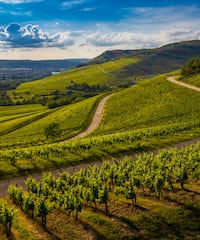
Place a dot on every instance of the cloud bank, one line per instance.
(23, 41)
(31, 36)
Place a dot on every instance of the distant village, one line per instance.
(23, 74)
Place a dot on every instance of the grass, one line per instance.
(26, 130)
(153, 102)
(103, 74)
(13, 116)
(174, 216)
(150, 115)
(193, 80)
(24, 228)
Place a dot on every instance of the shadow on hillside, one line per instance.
(53, 235)
(90, 228)
(161, 223)
(192, 191)
(195, 211)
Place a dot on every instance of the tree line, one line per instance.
(191, 67)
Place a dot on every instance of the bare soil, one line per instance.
(173, 80)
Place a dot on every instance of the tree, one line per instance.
(52, 130)
(6, 217)
(103, 197)
(191, 67)
(28, 202)
(32, 184)
(130, 194)
(42, 209)
(16, 195)
(77, 206)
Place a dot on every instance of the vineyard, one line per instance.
(103, 74)
(127, 199)
(154, 195)
(153, 102)
(19, 128)
(150, 115)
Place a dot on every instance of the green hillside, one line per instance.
(151, 103)
(149, 115)
(193, 80)
(165, 59)
(110, 70)
(104, 74)
(156, 196)
(24, 125)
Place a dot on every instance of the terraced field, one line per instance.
(24, 125)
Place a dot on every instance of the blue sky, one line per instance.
(57, 29)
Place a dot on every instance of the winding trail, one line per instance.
(94, 124)
(173, 80)
(96, 119)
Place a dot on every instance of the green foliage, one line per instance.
(52, 130)
(192, 79)
(7, 216)
(26, 127)
(153, 103)
(147, 115)
(42, 209)
(95, 184)
(103, 75)
(191, 67)
(28, 203)
(130, 193)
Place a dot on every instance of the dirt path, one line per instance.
(19, 181)
(173, 80)
(96, 119)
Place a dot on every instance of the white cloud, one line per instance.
(27, 13)
(31, 39)
(87, 9)
(31, 36)
(110, 39)
(136, 40)
(71, 3)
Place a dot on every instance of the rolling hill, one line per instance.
(153, 61)
(102, 74)
(112, 69)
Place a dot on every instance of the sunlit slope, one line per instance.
(193, 80)
(14, 112)
(72, 119)
(15, 117)
(155, 61)
(103, 74)
(154, 102)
